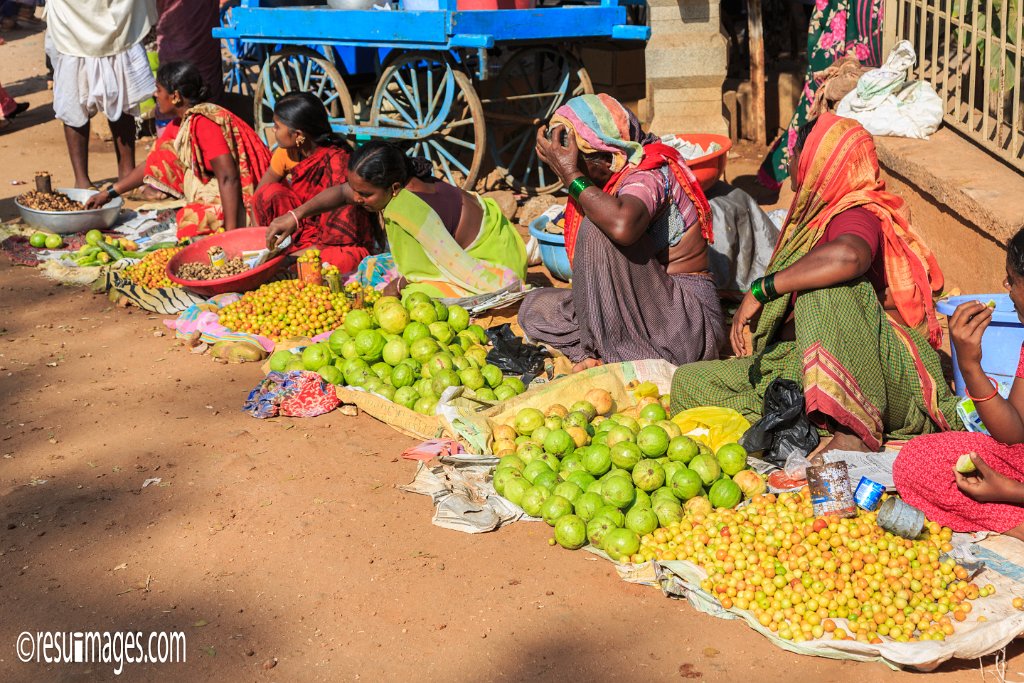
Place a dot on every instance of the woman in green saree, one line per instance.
(445, 242)
(845, 311)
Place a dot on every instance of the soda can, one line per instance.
(868, 495)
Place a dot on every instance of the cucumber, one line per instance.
(113, 252)
(157, 245)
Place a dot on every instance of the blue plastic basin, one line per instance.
(552, 249)
(1000, 345)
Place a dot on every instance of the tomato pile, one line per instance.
(151, 271)
(286, 308)
(800, 576)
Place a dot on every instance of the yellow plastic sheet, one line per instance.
(711, 425)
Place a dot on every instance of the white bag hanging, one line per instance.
(886, 103)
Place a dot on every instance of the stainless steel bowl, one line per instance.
(353, 4)
(68, 222)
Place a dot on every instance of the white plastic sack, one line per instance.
(885, 103)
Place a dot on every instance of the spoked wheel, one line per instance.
(240, 66)
(419, 91)
(304, 70)
(532, 84)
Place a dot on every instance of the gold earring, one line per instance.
(301, 140)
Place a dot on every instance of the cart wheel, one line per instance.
(300, 69)
(418, 90)
(239, 67)
(532, 84)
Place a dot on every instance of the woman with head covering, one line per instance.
(637, 228)
(206, 155)
(846, 308)
(443, 241)
(309, 158)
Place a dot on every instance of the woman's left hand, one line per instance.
(986, 485)
(747, 312)
(564, 160)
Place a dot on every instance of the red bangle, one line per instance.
(987, 398)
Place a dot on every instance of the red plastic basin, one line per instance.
(710, 167)
(233, 242)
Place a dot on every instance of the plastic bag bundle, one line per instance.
(513, 356)
(784, 430)
(885, 102)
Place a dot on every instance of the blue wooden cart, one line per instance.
(448, 84)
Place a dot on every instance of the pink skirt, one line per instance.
(923, 473)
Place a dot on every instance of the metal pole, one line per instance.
(757, 78)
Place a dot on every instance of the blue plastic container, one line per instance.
(1000, 346)
(552, 249)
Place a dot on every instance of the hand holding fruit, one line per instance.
(280, 228)
(984, 484)
(966, 327)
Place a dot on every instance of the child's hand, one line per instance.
(986, 485)
(966, 328)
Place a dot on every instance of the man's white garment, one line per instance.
(99, 62)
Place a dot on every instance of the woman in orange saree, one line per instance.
(845, 310)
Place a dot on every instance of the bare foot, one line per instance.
(586, 364)
(844, 441)
(147, 193)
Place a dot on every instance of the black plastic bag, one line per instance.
(784, 428)
(513, 356)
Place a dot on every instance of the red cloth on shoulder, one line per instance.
(866, 225)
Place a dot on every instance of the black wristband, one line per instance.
(112, 192)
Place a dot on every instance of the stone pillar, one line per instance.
(686, 60)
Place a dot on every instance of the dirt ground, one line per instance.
(281, 540)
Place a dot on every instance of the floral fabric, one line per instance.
(838, 28)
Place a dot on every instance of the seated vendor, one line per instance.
(846, 308)
(309, 159)
(992, 497)
(636, 230)
(444, 241)
(207, 156)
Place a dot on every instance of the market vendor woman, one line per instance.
(310, 158)
(207, 156)
(444, 241)
(845, 311)
(636, 230)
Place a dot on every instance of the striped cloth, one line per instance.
(858, 368)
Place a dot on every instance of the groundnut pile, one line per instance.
(49, 201)
(205, 271)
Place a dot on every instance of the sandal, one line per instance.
(19, 109)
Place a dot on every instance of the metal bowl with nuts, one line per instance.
(68, 222)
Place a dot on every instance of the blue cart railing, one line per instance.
(449, 84)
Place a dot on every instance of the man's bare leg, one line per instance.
(123, 131)
(78, 150)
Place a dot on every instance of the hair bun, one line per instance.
(420, 168)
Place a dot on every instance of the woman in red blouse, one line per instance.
(206, 156)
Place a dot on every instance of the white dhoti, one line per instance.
(99, 62)
(85, 86)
